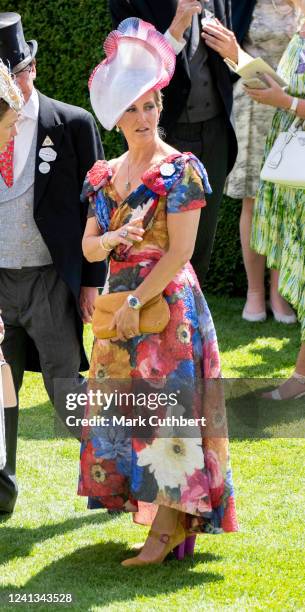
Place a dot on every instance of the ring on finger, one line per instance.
(123, 233)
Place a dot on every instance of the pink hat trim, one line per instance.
(136, 29)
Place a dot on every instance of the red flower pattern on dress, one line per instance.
(100, 476)
(178, 334)
(193, 205)
(138, 444)
(153, 178)
(100, 174)
(196, 493)
(211, 360)
(205, 488)
(215, 477)
(153, 361)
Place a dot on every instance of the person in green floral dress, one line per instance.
(278, 229)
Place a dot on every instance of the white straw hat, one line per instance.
(9, 90)
(139, 59)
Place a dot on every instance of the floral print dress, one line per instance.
(126, 471)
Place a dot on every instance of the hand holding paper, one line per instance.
(253, 71)
(272, 94)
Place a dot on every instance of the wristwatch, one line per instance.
(134, 302)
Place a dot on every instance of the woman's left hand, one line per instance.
(126, 321)
(273, 96)
(222, 40)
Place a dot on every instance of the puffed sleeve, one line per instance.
(188, 192)
(100, 205)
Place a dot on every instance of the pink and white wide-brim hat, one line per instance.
(139, 59)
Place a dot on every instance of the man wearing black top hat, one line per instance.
(198, 102)
(46, 286)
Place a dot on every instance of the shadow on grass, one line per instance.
(18, 541)
(269, 357)
(234, 333)
(36, 423)
(251, 416)
(41, 422)
(95, 577)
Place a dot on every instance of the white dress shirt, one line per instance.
(26, 129)
(177, 45)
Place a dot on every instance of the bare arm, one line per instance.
(93, 241)
(276, 96)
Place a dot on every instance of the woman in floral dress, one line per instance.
(278, 230)
(145, 208)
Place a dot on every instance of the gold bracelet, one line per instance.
(106, 248)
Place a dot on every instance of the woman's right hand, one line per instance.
(126, 234)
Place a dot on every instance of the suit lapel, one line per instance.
(50, 128)
(208, 5)
(218, 8)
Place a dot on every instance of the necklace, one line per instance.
(130, 178)
(281, 10)
(128, 183)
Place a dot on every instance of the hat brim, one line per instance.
(115, 87)
(33, 47)
(33, 44)
(138, 60)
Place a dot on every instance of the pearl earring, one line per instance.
(117, 129)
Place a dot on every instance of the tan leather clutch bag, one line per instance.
(154, 315)
(7, 389)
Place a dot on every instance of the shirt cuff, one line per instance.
(177, 45)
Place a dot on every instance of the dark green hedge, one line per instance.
(70, 34)
(226, 274)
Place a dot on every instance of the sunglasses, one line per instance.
(23, 71)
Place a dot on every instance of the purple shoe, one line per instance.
(189, 545)
(179, 551)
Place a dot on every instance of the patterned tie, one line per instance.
(6, 164)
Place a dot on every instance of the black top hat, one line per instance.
(15, 52)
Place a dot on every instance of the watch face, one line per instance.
(134, 302)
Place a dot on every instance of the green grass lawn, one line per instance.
(52, 544)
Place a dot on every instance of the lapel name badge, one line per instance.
(44, 168)
(47, 154)
(167, 169)
(47, 142)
